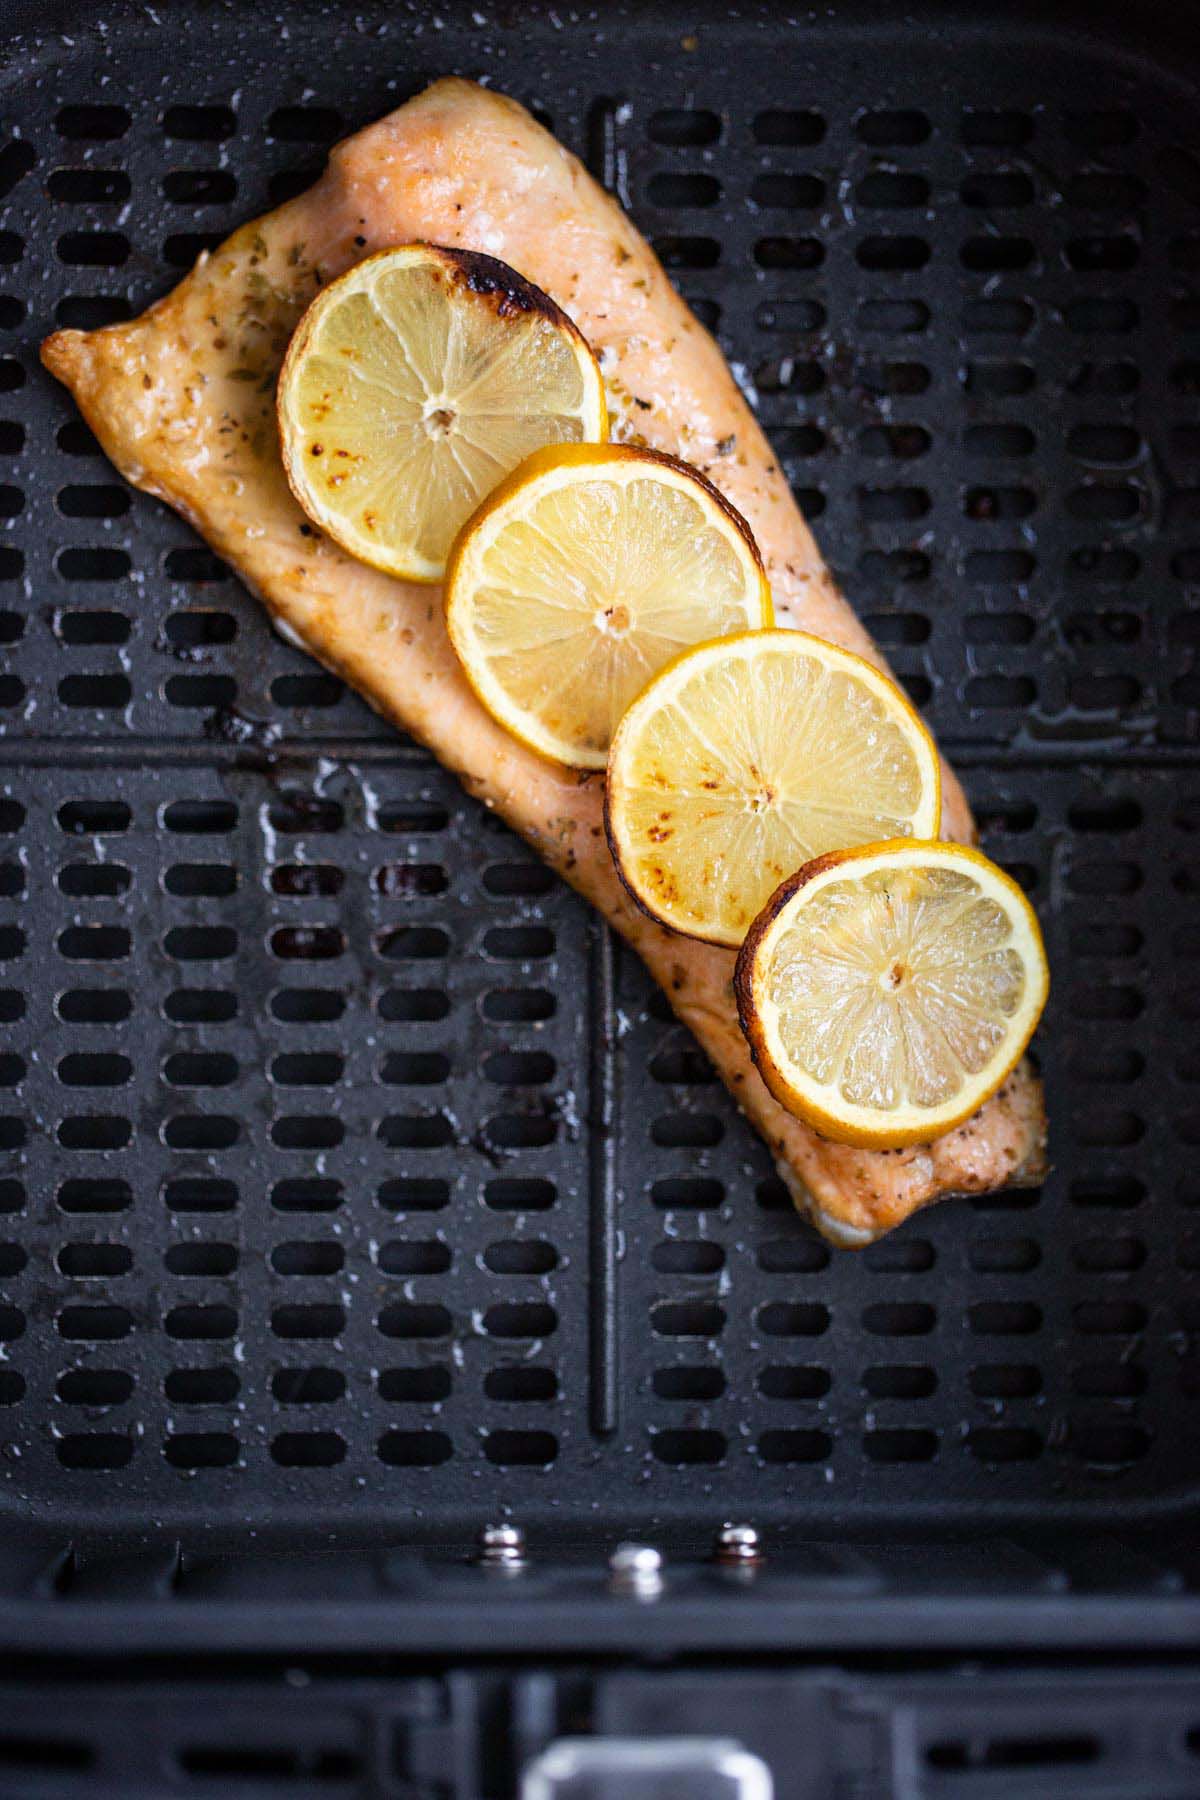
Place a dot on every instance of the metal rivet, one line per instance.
(636, 1569)
(502, 1547)
(738, 1545)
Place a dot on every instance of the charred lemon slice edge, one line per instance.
(412, 386)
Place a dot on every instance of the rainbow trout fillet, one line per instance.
(182, 400)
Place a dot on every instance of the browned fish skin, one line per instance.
(182, 400)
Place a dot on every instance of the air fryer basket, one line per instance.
(356, 1187)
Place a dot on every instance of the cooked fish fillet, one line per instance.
(182, 400)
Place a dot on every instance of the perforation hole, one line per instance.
(305, 125)
(419, 1131)
(522, 1386)
(201, 1131)
(410, 881)
(689, 1382)
(683, 1130)
(904, 629)
(792, 193)
(681, 129)
(808, 1446)
(96, 881)
(894, 317)
(195, 1260)
(679, 1256)
(1004, 1318)
(793, 1381)
(797, 1255)
(1005, 1381)
(308, 1449)
(199, 124)
(408, 1319)
(520, 1194)
(793, 1319)
(1004, 1255)
(413, 1005)
(97, 693)
(94, 1451)
(98, 1388)
(888, 129)
(308, 1006)
(199, 187)
(520, 1449)
(423, 1386)
(1004, 317)
(900, 1381)
(1109, 1318)
(1108, 1445)
(315, 1068)
(201, 1449)
(679, 252)
(307, 690)
(1004, 1443)
(997, 255)
(518, 880)
(311, 943)
(302, 1131)
(17, 158)
(787, 253)
(218, 1386)
(308, 1386)
(900, 1445)
(672, 189)
(94, 1324)
(688, 1447)
(1001, 505)
(93, 249)
(307, 1194)
(1109, 1381)
(414, 1449)
(893, 255)
(997, 189)
(95, 1194)
(319, 1319)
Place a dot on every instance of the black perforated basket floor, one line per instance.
(354, 1184)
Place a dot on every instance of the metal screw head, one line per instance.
(636, 1569)
(502, 1547)
(738, 1545)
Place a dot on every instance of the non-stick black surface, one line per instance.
(353, 1182)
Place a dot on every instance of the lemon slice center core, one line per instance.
(613, 621)
(438, 418)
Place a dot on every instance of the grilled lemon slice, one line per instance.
(585, 572)
(749, 756)
(413, 385)
(887, 991)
